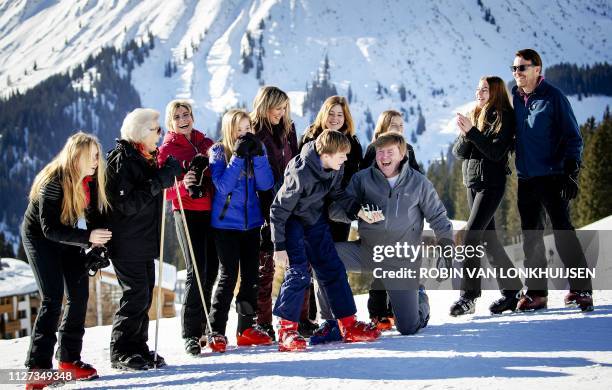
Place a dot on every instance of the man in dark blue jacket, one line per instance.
(548, 151)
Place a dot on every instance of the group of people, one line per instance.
(258, 196)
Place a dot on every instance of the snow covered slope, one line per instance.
(437, 50)
(554, 349)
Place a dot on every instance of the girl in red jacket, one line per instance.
(190, 147)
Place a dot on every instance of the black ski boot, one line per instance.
(149, 357)
(508, 301)
(127, 362)
(465, 305)
(192, 345)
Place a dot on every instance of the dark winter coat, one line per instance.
(280, 150)
(136, 199)
(546, 132)
(235, 203)
(485, 154)
(42, 217)
(303, 193)
(354, 159)
(184, 149)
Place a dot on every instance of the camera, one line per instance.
(96, 258)
(198, 164)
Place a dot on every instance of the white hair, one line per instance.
(138, 123)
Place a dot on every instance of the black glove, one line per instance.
(168, 171)
(96, 258)
(244, 145)
(446, 260)
(569, 184)
(265, 242)
(198, 165)
(256, 147)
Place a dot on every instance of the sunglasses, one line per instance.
(520, 68)
(158, 130)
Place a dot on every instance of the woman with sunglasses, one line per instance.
(485, 140)
(134, 186)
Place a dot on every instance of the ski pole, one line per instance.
(191, 253)
(159, 277)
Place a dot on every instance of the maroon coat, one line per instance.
(280, 151)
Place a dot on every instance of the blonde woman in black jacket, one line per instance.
(486, 137)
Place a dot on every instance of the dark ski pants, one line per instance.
(328, 268)
(57, 269)
(238, 252)
(411, 312)
(131, 323)
(481, 231)
(193, 319)
(534, 196)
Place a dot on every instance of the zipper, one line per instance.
(397, 205)
(246, 193)
(225, 206)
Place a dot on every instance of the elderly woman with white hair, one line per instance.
(134, 187)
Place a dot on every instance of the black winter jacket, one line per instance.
(42, 217)
(136, 199)
(485, 154)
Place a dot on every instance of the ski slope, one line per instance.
(560, 348)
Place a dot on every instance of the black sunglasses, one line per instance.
(520, 68)
(158, 130)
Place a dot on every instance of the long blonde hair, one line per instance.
(229, 130)
(383, 123)
(498, 102)
(269, 97)
(67, 165)
(348, 128)
(171, 109)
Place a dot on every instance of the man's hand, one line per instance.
(371, 214)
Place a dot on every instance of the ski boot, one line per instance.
(289, 339)
(253, 336)
(508, 301)
(217, 342)
(328, 332)
(355, 331)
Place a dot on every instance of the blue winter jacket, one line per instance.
(234, 206)
(546, 132)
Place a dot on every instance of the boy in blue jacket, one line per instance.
(299, 224)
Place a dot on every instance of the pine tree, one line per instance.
(596, 200)
(6, 249)
(402, 92)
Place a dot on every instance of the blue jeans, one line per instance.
(326, 264)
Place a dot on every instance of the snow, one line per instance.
(602, 224)
(16, 278)
(559, 348)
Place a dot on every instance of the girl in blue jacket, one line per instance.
(239, 168)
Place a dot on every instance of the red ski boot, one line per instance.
(80, 371)
(253, 336)
(288, 337)
(382, 323)
(581, 299)
(353, 330)
(217, 342)
(38, 380)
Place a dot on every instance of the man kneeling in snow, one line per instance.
(405, 197)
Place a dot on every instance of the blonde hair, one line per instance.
(388, 139)
(137, 124)
(269, 97)
(67, 165)
(171, 109)
(383, 122)
(319, 124)
(498, 101)
(331, 142)
(229, 130)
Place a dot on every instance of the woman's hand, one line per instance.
(190, 179)
(464, 123)
(100, 236)
(282, 258)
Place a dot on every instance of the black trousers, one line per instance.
(534, 196)
(131, 323)
(57, 269)
(483, 203)
(193, 319)
(238, 251)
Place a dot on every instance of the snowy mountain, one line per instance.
(558, 348)
(435, 50)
